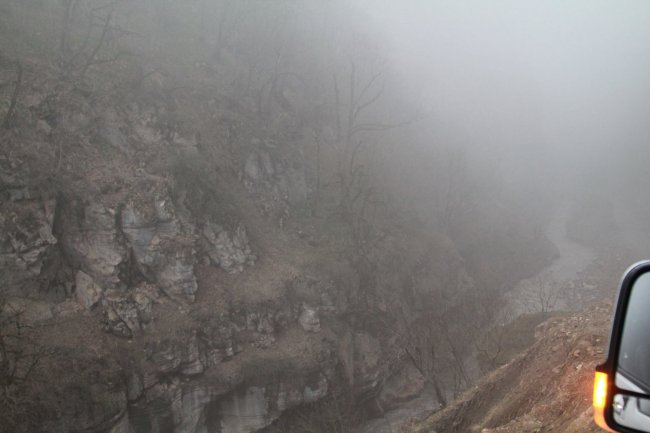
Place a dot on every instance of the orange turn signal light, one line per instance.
(600, 390)
(600, 399)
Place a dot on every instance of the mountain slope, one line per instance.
(545, 389)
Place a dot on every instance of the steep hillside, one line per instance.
(547, 388)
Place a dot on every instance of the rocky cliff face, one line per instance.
(174, 258)
(130, 268)
(157, 309)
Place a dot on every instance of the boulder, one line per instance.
(87, 292)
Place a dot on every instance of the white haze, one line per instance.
(555, 91)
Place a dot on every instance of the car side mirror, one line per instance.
(622, 383)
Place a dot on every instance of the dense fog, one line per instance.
(556, 92)
(313, 211)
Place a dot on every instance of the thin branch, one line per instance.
(368, 85)
(364, 105)
(99, 45)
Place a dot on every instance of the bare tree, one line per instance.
(541, 295)
(421, 343)
(358, 199)
(97, 45)
(11, 112)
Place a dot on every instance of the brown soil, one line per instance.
(545, 389)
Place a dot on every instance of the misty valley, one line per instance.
(277, 216)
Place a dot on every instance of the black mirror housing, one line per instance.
(622, 383)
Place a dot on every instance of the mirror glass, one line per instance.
(633, 367)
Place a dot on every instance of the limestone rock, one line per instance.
(87, 292)
(229, 250)
(92, 243)
(162, 245)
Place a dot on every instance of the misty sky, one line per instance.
(563, 86)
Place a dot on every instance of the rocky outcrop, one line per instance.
(126, 312)
(124, 250)
(26, 238)
(228, 250)
(120, 315)
(87, 292)
(162, 244)
(228, 370)
(91, 241)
